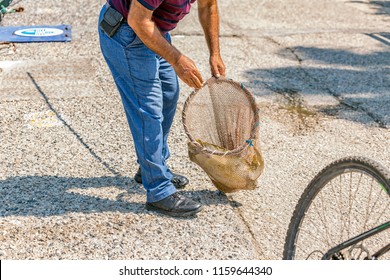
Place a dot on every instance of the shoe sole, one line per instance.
(173, 214)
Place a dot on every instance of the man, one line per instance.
(145, 66)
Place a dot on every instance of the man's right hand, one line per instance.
(140, 20)
(187, 71)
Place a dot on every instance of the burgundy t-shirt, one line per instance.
(166, 13)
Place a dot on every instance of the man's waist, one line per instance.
(108, 4)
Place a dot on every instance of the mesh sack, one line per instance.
(221, 121)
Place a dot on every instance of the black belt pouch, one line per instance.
(111, 21)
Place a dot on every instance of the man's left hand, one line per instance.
(217, 66)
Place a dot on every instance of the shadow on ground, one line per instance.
(44, 196)
(382, 7)
(379, 7)
(358, 81)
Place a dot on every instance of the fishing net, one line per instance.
(222, 123)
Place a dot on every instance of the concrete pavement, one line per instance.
(319, 71)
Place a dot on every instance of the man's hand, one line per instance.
(140, 20)
(217, 66)
(186, 69)
(209, 19)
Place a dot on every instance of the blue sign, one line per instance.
(60, 33)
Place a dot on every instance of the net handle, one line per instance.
(255, 109)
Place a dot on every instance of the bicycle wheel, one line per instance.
(347, 198)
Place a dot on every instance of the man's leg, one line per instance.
(170, 87)
(135, 71)
(170, 90)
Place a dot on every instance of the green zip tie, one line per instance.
(250, 142)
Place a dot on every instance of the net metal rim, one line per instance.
(255, 109)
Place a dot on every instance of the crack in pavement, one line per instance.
(377, 119)
(84, 144)
(239, 212)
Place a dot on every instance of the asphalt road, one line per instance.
(320, 74)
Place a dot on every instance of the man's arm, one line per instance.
(209, 19)
(140, 20)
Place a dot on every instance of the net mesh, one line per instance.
(221, 122)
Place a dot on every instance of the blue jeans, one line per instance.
(149, 90)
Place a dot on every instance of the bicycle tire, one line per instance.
(333, 170)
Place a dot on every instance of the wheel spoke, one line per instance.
(352, 199)
(367, 209)
(324, 221)
(342, 202)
